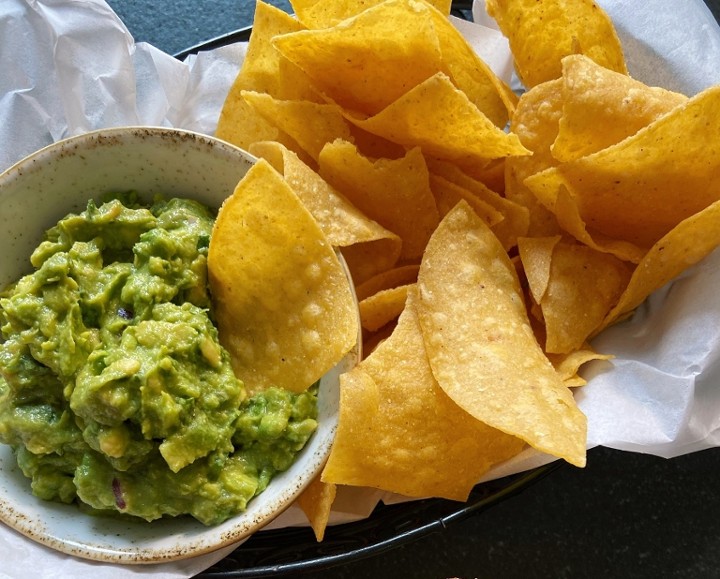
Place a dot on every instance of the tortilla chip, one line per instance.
(481, 346)
(536, 257)
(536, 124)
(448, 194)
(382, 307)
(593, 97)
(400, 432)
(515, 217)
(688, 243)
(284, 306)
(401, 275)
(316, 502)
(310, 125)
(400, 51)
(470, 74)
(634, 191)
(394, 192)
(371, 340)
(542, 32)
(440, 119)
(341, 222)
(374, 146)
(568, 218)
(364, 260)
(581, 287)
(327, 13)
(492, 174)
(263, 70)
(403, 42)
(568, 365)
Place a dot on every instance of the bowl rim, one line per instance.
(118, 131)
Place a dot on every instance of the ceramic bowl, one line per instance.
(34, 194)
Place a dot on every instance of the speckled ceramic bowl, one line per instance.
(35, 194)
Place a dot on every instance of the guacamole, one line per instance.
(114, 389)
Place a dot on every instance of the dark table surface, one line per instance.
(624, 515)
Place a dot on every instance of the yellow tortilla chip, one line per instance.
(341, 222)
(263, 70)
(448, 194)
(364, 260)
(316, 502)
(536, 124)
(400, 432)
(402, 41)
(285, 308)
(439, 118)
(594, 97)
(374, 146)
(401, 52)
(568, 218)
(542, 32)
(394, 192)
(481, 346)
(582, 286)
(371, 340)
(634, 191)
(472, 75)
(568, 365)
(382, 307)
(327, 13)
(515, 217)
(401, 275)
(492, 174)
(536, 257)
(688, 243)
(311, 125)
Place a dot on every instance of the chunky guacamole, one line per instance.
(114, 389)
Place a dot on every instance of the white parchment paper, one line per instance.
(70, 66)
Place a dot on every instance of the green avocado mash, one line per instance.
(114, 389)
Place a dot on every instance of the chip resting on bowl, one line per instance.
(368, 248)
(283, 302)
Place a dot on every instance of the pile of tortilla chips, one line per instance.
(489, 236)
